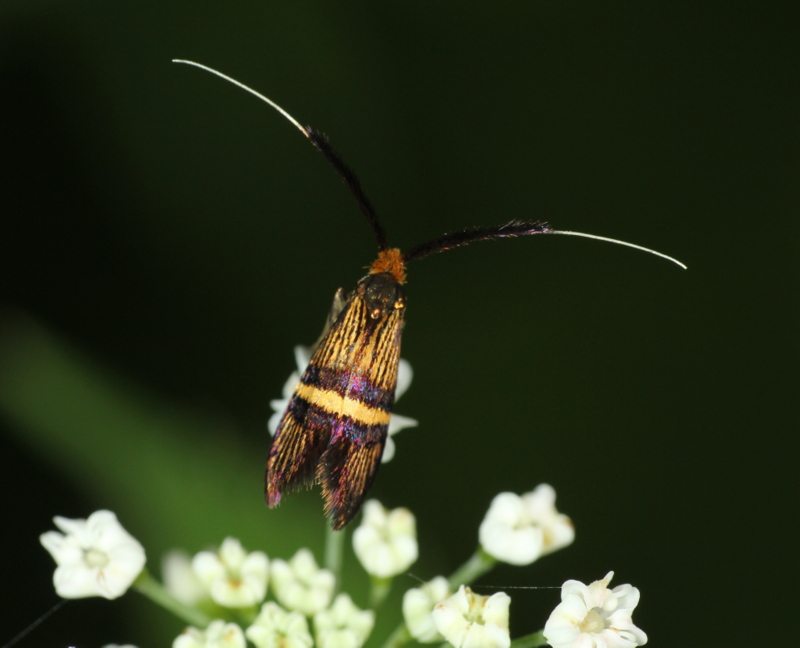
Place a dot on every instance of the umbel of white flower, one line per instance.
(343, 625)
(593, 615)
(95, 556)
(469, 620)
(301, 585)
(398, 422)
(386, 541)
(234, 578)
(218, 634)
(418, 604)
(520, 529)
(274, 627)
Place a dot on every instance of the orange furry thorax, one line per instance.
(390, 261)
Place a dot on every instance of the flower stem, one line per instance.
(334, 547)
(379, 590)
(399, 637)
(530, 641)
(476, 566)
(148, 586)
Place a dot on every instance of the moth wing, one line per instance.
(297, 444)
(346, 471)
(295, 452)
(336, 424)
(350, 463)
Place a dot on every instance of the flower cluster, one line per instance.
(232, 577)
(301, 585)
(386, 541)
(230, 596)
(97, 557)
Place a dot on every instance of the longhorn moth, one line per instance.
(334, 428)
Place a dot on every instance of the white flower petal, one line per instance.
(179, 578)
(208, 567)
(300, 585)
(418, 604)
(343, 625)
(518, 530)
(399, 422)
(302, 356)
(218, 634)
(388, 450)
(233, 578)
(275, 418)
(231, 553)
(404, 376)
(276, 628)
(468, 620)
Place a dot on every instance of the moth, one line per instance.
(335, 426)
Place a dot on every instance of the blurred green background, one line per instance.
(166, 240)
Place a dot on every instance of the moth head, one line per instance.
(382, 294)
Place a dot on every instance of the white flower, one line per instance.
(302, 356)
(418, 606)
(343, 625)
(519, 530)
(234, 578)
(179, 578)
(399, 422)
(386, 541)
(218, 634)
(96, 557)
(301, 585)
(594, 616)
(469, 620)
(274, 627)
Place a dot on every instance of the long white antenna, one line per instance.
(305, 132)
(618, 242)
(250, 90)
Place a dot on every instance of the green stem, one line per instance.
(379, 590)
(530, 641)
(334, 548)
(148, 586)
(476, 566)
(248, 615)
(399, 637)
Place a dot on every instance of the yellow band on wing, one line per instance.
(335, 403)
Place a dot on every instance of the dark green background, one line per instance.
(166, 240)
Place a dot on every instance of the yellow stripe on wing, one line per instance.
(337, 404)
